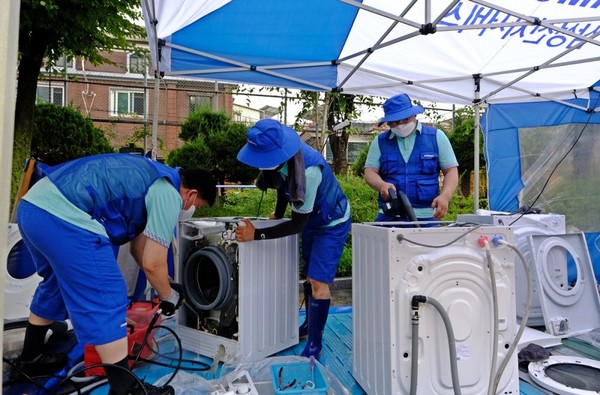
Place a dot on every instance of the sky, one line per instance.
(259, 98)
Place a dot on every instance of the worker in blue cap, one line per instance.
(320, 211)
(70, 222)
(408, 157)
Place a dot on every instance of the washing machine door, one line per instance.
(21, 278)
(569, 307)
(566, 375)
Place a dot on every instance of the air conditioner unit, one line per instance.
(242, 298)
(448, 264)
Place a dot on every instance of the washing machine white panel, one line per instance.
(267, 294)
(387, 273)
(21, 278)
(568, 309)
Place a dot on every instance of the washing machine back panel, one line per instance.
(568, 308)
(268, 297)
(371, 306)
(457, 277)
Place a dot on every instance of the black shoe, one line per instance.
(43, 365)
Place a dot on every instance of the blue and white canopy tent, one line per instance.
(469, 52)
(544, 154)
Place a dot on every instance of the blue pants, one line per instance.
(81, 277)
(322, 249)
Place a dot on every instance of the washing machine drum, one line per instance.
(567, 375)
(208, 279)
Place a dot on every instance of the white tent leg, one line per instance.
(476, 95)
(155, 115)
(9, 31)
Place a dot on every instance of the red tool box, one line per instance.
(139, 316)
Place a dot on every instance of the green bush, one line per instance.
(250, 202)
(212, 143)
(63, 133)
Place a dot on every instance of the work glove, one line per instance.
(170, 304)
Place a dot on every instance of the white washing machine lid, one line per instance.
(566, 375)
(567, 310)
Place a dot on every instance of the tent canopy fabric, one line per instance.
(446, 51)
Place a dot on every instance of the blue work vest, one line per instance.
(330, 202)
(419, 177)
(112, 188)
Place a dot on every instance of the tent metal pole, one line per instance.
(155, 111)
(476, 95)
(9, 32)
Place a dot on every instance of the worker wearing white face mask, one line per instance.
(70, 221)
(408, 158)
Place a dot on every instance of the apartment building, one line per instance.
(119, 98)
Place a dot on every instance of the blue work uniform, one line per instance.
(412, 164)
(324, 235)
(71, 220)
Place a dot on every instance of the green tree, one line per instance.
(51, 29)
(462, 140)
(62, 133)
(212, 143)
(325, 110)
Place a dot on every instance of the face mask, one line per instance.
(404, 129)
(184, 215)
(268, 168)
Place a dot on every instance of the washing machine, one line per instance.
(241, 298)
(21, 278)
(525, 225)
(449, 265)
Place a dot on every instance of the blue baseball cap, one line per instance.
(399, 107)
(269, 144)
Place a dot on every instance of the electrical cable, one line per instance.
(78, 370)
(401, 238)
(262, 195)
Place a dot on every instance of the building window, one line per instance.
(136, 64)
(51, 94)
(65, 62)
(126, 103)
(198, 102)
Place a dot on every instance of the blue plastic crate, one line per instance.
(296, 378)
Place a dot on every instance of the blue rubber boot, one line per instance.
(303, 330)
(319, 310)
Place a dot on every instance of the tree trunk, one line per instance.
(30, 62)
(339, 147)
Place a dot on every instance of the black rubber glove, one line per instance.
(170, 305)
